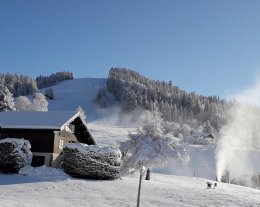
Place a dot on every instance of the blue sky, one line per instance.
(210, 47)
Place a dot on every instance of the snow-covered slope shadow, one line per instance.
(33, 175)
(16, 179)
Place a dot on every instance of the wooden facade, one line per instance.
(47, 144)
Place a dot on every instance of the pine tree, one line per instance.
(6, 99)
(207, 128)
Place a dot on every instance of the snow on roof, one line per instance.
(36, 120)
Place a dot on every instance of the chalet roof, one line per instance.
(37, 120)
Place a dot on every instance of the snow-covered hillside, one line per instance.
(50, 187)
(161, 190)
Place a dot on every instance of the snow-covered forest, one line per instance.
(18, 85)
(21, 85)
(132, 90)
(46, 81)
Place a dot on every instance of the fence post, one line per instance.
(142, 171)
(148, 174)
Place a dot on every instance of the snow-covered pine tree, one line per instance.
(18, 84)
(102, 97)
(6, 99)
(150, 146)
(207, 128)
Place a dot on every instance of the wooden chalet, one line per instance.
(46, 131)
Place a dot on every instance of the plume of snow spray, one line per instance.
(240, 136)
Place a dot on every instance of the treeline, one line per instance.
(53, 79)
(18, 85)
(133, 90)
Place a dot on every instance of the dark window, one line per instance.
(38, 161)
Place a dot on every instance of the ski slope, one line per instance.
(77, 92)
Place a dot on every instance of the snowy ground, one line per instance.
(162, 190)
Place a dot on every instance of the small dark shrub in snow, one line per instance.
(92, 161)
(14, 154)
(49, 93)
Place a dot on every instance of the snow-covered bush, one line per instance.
(171, 127)
(202, 140)
(14, 154)
(22, 103)
(150, 146)
(198, 135)
(39, 103)
(92, 161)
(49, 93)
(150, 123)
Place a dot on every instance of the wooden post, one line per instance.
(140, 183)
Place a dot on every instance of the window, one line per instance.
(61, 143)
(70, 128)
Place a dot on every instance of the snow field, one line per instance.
(161, 190)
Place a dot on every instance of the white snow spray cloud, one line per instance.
(237, 152)
(115, 116)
